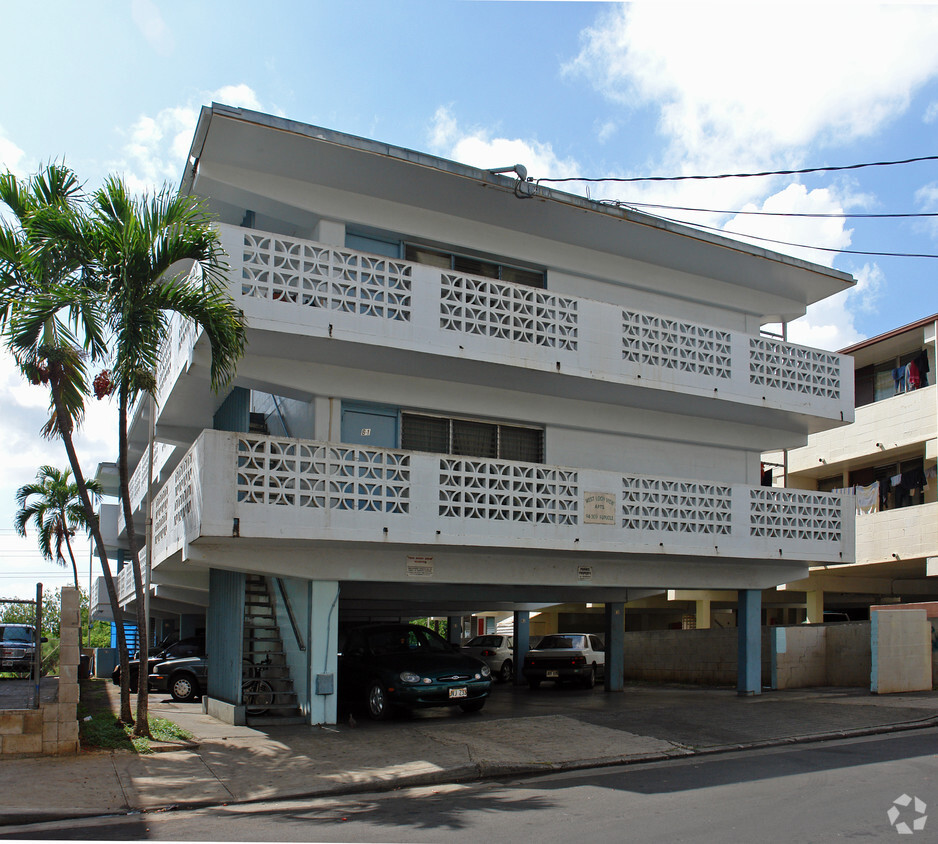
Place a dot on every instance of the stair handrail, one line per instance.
(289, 608)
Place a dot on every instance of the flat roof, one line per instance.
(651, 240)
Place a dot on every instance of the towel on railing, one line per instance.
(868, 498)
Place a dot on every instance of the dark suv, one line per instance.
(17, 647)
(191, 646)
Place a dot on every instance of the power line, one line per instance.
(740, 175)
(803, 245)
(624, 204)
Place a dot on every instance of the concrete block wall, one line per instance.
(705, 657)
(52, 729)
(901, 651)
(803, 656)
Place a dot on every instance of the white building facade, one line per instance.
(465, 391)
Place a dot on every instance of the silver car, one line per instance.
(496, 652)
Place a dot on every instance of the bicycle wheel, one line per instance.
(258, 696)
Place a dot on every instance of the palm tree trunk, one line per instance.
(71, 555)
(65, 432)
(142, 724)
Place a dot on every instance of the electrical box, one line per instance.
(325, 684)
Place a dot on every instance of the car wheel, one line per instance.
(534, 684)
(472, 705)
(378, 707)
(590, 679)
(183, 688)
(507, 672)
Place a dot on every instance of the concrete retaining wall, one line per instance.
(53, 728)
(820, 655)
(706, 657)
(901, 651)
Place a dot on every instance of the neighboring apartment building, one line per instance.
(463, 391)
(885, 463)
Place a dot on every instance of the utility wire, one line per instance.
(740, 175)
(623, 204)
(726, 233)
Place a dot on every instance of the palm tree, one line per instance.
(52, 502)
(139, 246)
(46, 296)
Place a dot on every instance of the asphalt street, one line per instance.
(852, 788)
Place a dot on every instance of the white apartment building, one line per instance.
(466, 391)
(885, 463)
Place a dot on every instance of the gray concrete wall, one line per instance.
(807, 655)
(705, 657)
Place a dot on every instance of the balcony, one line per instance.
(300, 297)
(267, 489)
(907, 533)
(892, 429)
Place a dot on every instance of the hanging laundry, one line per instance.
(868, 498)
(921, 363)
(898, 377)
(913, 379)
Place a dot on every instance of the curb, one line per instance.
(477, 772)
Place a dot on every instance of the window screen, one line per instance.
(471, 438)
(425, 433)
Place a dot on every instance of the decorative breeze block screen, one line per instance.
(304, 273)
(498, 491)
(680, 506)
(683, 346)
(793, 368)
(297, 474)
(182, 480)
(781, 514)
(490, 308)
(161, 515)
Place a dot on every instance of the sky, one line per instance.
(565, 88)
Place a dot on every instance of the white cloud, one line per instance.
(830, 324)
(606, 130)
(931, 113)
(738, 83)
(11, 156)
(148, 19)
(478, 147)
(156, 150)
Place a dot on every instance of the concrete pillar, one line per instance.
(815, 601)
(454, 630)
(702, 614)
(323, 651)
(749, 659)
(615, 647)
(330, 232)
(522, 643)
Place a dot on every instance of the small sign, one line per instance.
(584, 572)
(420, 566)
(599, 508)
(366, 432)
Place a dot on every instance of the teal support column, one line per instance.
(454, 630)
(749, 659)
(224, 621)
(615, 647)
(522, 643)
(323, 650)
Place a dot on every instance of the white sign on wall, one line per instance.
(599, 508)
(420, 566)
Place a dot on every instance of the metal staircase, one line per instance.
(265, 660)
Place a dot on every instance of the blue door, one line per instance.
(370, 424)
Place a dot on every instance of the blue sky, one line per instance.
(565, 88)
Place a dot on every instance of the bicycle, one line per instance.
(257, 694)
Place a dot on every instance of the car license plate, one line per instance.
(460, 692)
(552, 674)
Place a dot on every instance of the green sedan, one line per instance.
(384, 667)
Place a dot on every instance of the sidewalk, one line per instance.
(518, 732)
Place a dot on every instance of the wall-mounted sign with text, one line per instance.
(599, 508)
(420, 566)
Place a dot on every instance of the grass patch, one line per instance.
(103, 731)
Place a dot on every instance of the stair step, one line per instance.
(274, 720)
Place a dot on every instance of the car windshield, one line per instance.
(18, 634)
(406, 640)
(561, 642)
(485, 642)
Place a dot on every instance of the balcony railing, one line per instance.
(268, 487)
(324, 290)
